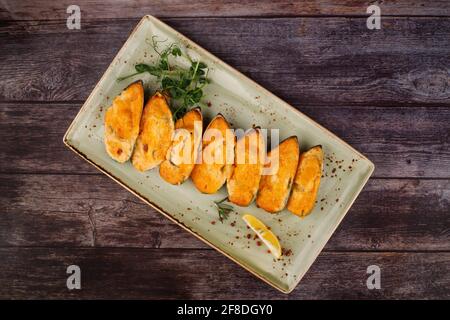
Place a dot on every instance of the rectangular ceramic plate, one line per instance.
(244, 103)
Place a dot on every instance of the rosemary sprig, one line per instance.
(223, 209)
(185, 86)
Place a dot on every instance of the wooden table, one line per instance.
(386, 92)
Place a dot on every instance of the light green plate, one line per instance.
(244, 103)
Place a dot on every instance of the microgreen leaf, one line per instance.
(176, 52)
(183, 85)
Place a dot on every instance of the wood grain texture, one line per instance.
(73, 210)
(401, 141)
(386, 92)
(97, 9)
(335, 62)
(204, 274)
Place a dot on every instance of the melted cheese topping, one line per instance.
(122, 122)
(155, 135)
(274, 189)
(217, 160)
(306, 182)
(185, 148)
(244, 181)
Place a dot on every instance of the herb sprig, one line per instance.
(185, 86)
(223, 209)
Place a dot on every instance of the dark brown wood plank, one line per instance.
(48, 10)
(60, 210)
(331, 61)
(47, 210)
(401, 141)
(194, 274)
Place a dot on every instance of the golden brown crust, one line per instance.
(216, 161)
(306, 182)
(122, 122)
(155, 134)
(187, 137)
(274, 189)
(243, 183)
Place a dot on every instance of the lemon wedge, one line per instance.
(266, 236)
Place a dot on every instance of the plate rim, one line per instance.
(239, 74)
